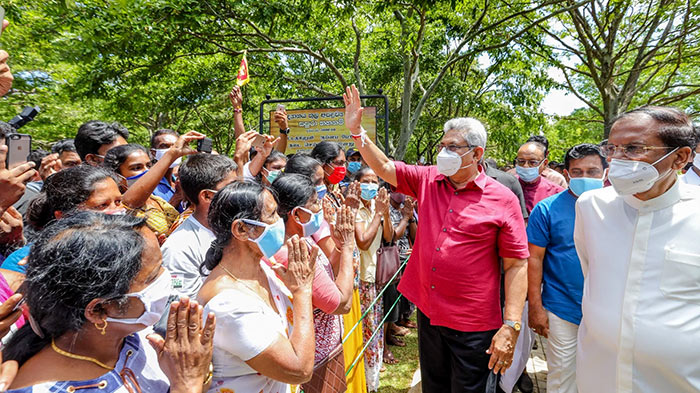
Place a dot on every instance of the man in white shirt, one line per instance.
(200, 177)
(693, 174)
(640, 257)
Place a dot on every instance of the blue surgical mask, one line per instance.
(132, 179)
(579, 185)
(369, 191)
(272, 176)
(314, 223)
(354, 166)
(527, 174)
(271, 239)
(321, 191)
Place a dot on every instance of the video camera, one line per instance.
(27, 115)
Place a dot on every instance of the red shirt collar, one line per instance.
(479, 182)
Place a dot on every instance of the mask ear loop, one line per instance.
(296, 218)
(257, 224)
(465, 153)
(661, 159)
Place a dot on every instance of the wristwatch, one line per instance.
(513, 324)
(285, 131)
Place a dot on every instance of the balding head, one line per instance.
(533, 149)
(672, 126)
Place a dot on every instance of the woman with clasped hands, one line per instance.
(94, 286)
(265, 334)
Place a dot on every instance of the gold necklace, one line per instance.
(78, 357)
(239, 280)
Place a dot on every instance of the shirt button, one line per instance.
(444, 229)
(456, 193)
(450, 210)
(433, 269)
(432, 287)
(437, 249)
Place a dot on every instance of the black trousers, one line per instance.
(389, 298)
(454, 361)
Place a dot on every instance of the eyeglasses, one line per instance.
(631, 151)
(453, 148)
(529, 163)
(591, 172)
(337, 163)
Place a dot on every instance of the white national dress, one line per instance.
(640, 330)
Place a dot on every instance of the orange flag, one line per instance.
(243, 76)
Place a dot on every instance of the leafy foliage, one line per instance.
(170, 63)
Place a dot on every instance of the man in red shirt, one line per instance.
(467, 221)
(529, 165)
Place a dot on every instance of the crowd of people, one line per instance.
(128, 268)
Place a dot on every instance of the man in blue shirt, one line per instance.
(161, 141)
(555, 279)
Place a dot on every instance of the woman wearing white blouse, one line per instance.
(265, 332)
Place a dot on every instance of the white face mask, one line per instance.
(159, 153)
(696, 160)
(449, 163)
(154, 298)
(632, 177)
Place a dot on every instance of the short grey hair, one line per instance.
(469, 128)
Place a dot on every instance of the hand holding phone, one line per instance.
(259, 141)
(18, 148)
(205, 145)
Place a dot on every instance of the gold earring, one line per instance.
(102, 328)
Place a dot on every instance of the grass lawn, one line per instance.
(397, 377)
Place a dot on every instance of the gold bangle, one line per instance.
(210, 375)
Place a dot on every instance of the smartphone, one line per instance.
(18, 148)
(2, 18)
(259, 140)
(205, 145)
(20, 304)
(280, 107)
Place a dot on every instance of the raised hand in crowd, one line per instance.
(183, 145)
(49, 165)
(352, 196)
(281, 118)
(12, 180)
(264, 150)
(353, 109)
(382, 204)
(236, 98)
(11, 227)
(299, 273)
(407, 210)
(6, 77)
(185, 354)
(343, 231)
(244, 143)
(139, 192)
(283, 123)
(330, 211)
